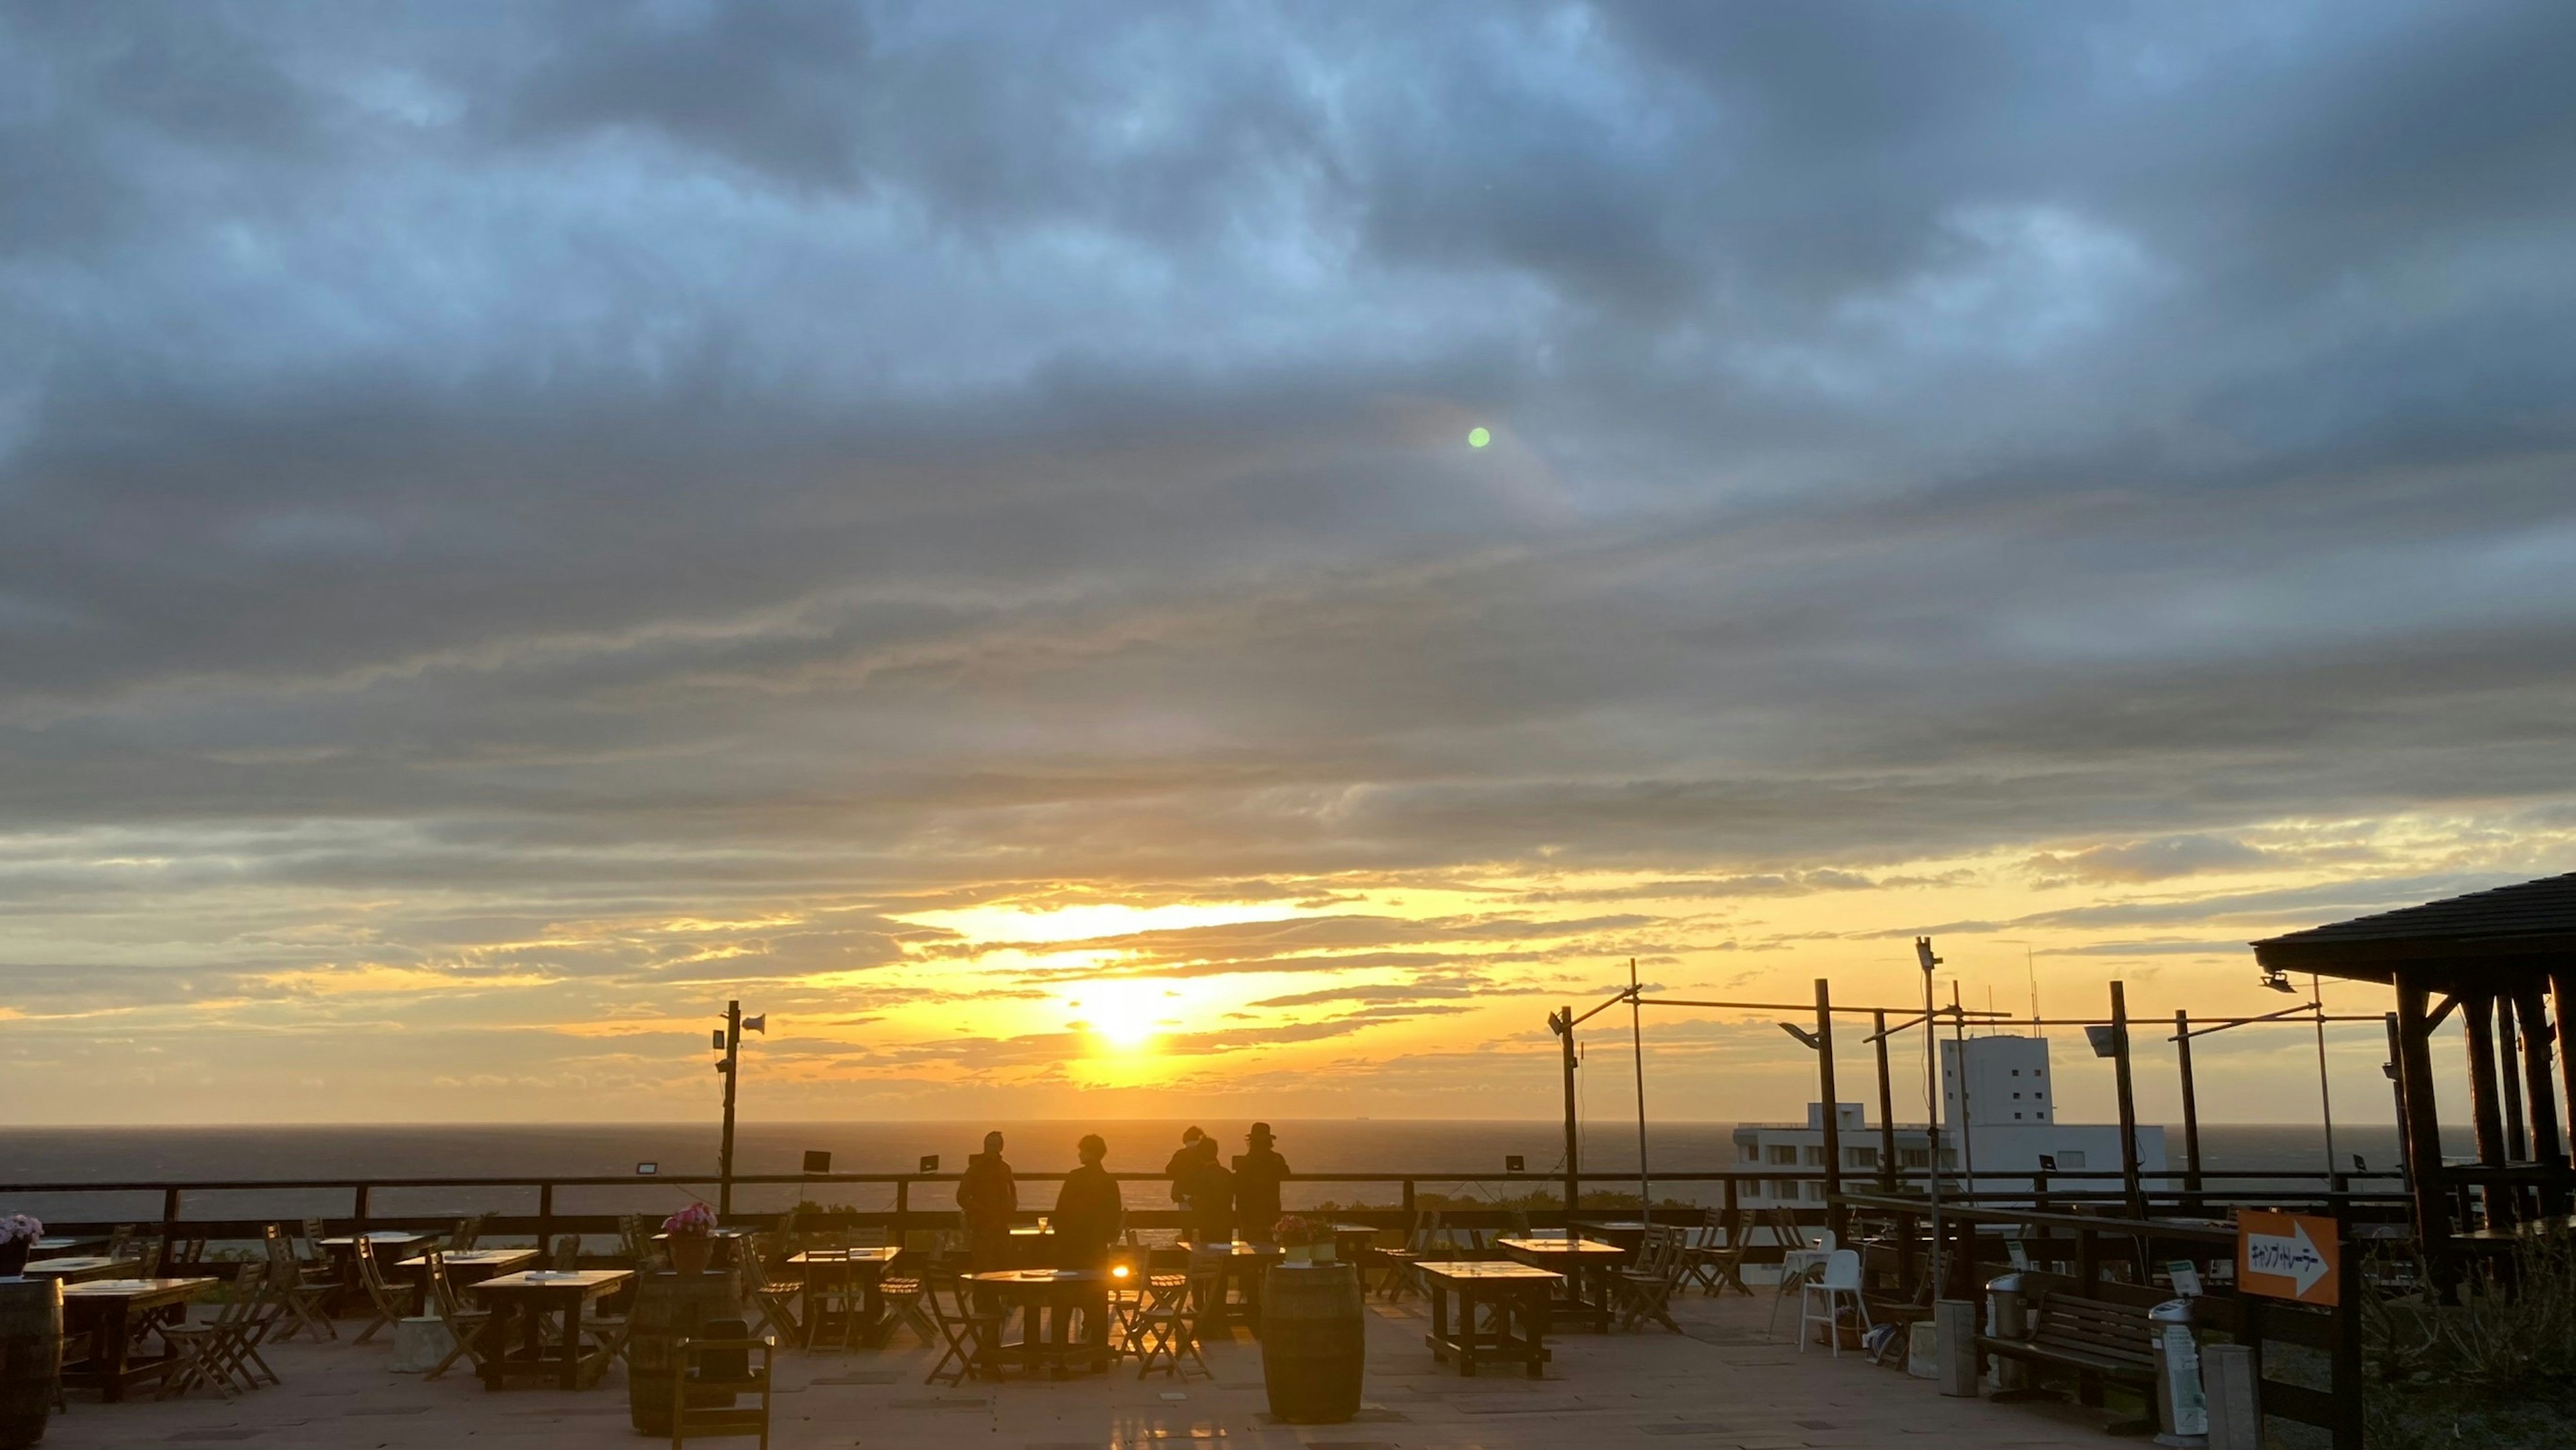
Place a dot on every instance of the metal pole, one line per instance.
(1886, 1107)
(1637, 1043)
(1967, 1118)
(2325, 1092)
(731, 1068)
(1931, 1104)
(1563, 1022)
(2190, 1103)
(2135, 1191)
(1833, 1114)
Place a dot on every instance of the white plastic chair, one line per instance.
(1840, 1276)
(1796, 1267)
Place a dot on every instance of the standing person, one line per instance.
(1211, 1192)
(1088, 1211)
(986, 1199)
(1257, 1176)
(1183, 1166)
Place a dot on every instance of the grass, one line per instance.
(2497, 1368)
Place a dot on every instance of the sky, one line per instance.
(956, 525)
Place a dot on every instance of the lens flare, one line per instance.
(1479, 436)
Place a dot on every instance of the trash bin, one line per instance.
(2008, 1317)
(2182, 1407)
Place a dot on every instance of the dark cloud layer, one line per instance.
(586, 458)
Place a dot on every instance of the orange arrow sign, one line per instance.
(2288, 1256)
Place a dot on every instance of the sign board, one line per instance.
(817, 1162)
(929, 1162)
(1512, 1163)
(2186, 1277)
(647, 1170)
(2288, 1256)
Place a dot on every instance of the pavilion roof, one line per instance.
(2510, 929)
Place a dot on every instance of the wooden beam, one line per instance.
(2129, 1184)
(2423, 1130)
(2434, 1022)
(2562, 1003)
(2486, 1103)
(2545, 1144)
(1833, 1110)
(2517, 1143)
(1886, 1106)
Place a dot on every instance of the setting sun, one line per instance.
(1123, 1015)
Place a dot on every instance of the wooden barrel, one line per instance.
(31, 1357)
(671, 1307)
(1314, 1342)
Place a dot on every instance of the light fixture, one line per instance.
(2278, 980)
(1802, 1034)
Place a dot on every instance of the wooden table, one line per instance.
(105, 1310)
(1627, 1233)
(1517, 1293)
(57, 1245)
(1589, 1267)
(1243, 1265)
(726, 1246)
(469, 1268)
(531, 1296)
(1351, 1241)
(390, 1244)
(1046, 1299)
(79, 1268)
(819, 1268)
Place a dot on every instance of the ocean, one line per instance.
(1458, 1159)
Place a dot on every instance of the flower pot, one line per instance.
(1322, 1253)
(1300, 1253)
(13, 1258)
(691, 1253)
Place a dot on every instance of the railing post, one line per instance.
(545, 1215)
(169, 1226)
(1408, 1199)
(902, 1209)
(360, 1212)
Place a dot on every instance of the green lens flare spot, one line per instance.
(1479, 437)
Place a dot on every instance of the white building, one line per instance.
(2008, 1124)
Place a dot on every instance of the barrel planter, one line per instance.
(668, 1308)
(31, 1357)
(1314, 1342)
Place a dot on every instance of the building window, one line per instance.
(1913, 1157)
(1816, 1191)
(1860, 1157)
(1784, 1189)
(1815, 1157)
(1747, 1153)
(1783, 1154)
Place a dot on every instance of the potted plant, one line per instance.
(1303, 1240)
(18, 1235)
(692, 1240)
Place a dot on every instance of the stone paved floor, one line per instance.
(1723, 1386)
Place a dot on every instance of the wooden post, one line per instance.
(1886, 1107)
(2397, 1091)
(1563, 1022)
(1833, 1116)
(2547, 1148)
(2517, 1144)
(2562, 1005)
(902, 1210)
(2129, 1183)
(2486, 1111)
(2190, 1104)
(170, 1226)
(545, 1217)
(731, 1067)
(2423, 1129)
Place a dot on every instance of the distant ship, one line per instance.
(2008, 1124)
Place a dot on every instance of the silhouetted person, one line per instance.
(986, 1199)
(1178, 1170)
(1088, 1211)
(1257, 1176)
(1211, 1195)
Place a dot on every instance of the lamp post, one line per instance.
(1932, 1102)
(729, 1042)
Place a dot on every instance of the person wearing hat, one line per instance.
(1257, 1176)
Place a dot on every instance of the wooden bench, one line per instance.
(2096, 1339)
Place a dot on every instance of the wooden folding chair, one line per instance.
(773, 1290)
(1714, 1257)
(464, 1326)
(301, 1295)
(970, 1336)
(1645, 1287)
(1168, 1323)
(211, 1353)
(390, 1303)
(469, 1231)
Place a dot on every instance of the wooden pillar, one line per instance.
(2190, 1104)
(2486, 1106)
(2423, 1129)
(1563, 1022)
(2562, 1005)
(2517, 1144)
(2397, 1091)
(1833, 1114)
(1886, 1107)
(2546, 1146)
(2129, 1184)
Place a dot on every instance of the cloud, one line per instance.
(478, 482)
